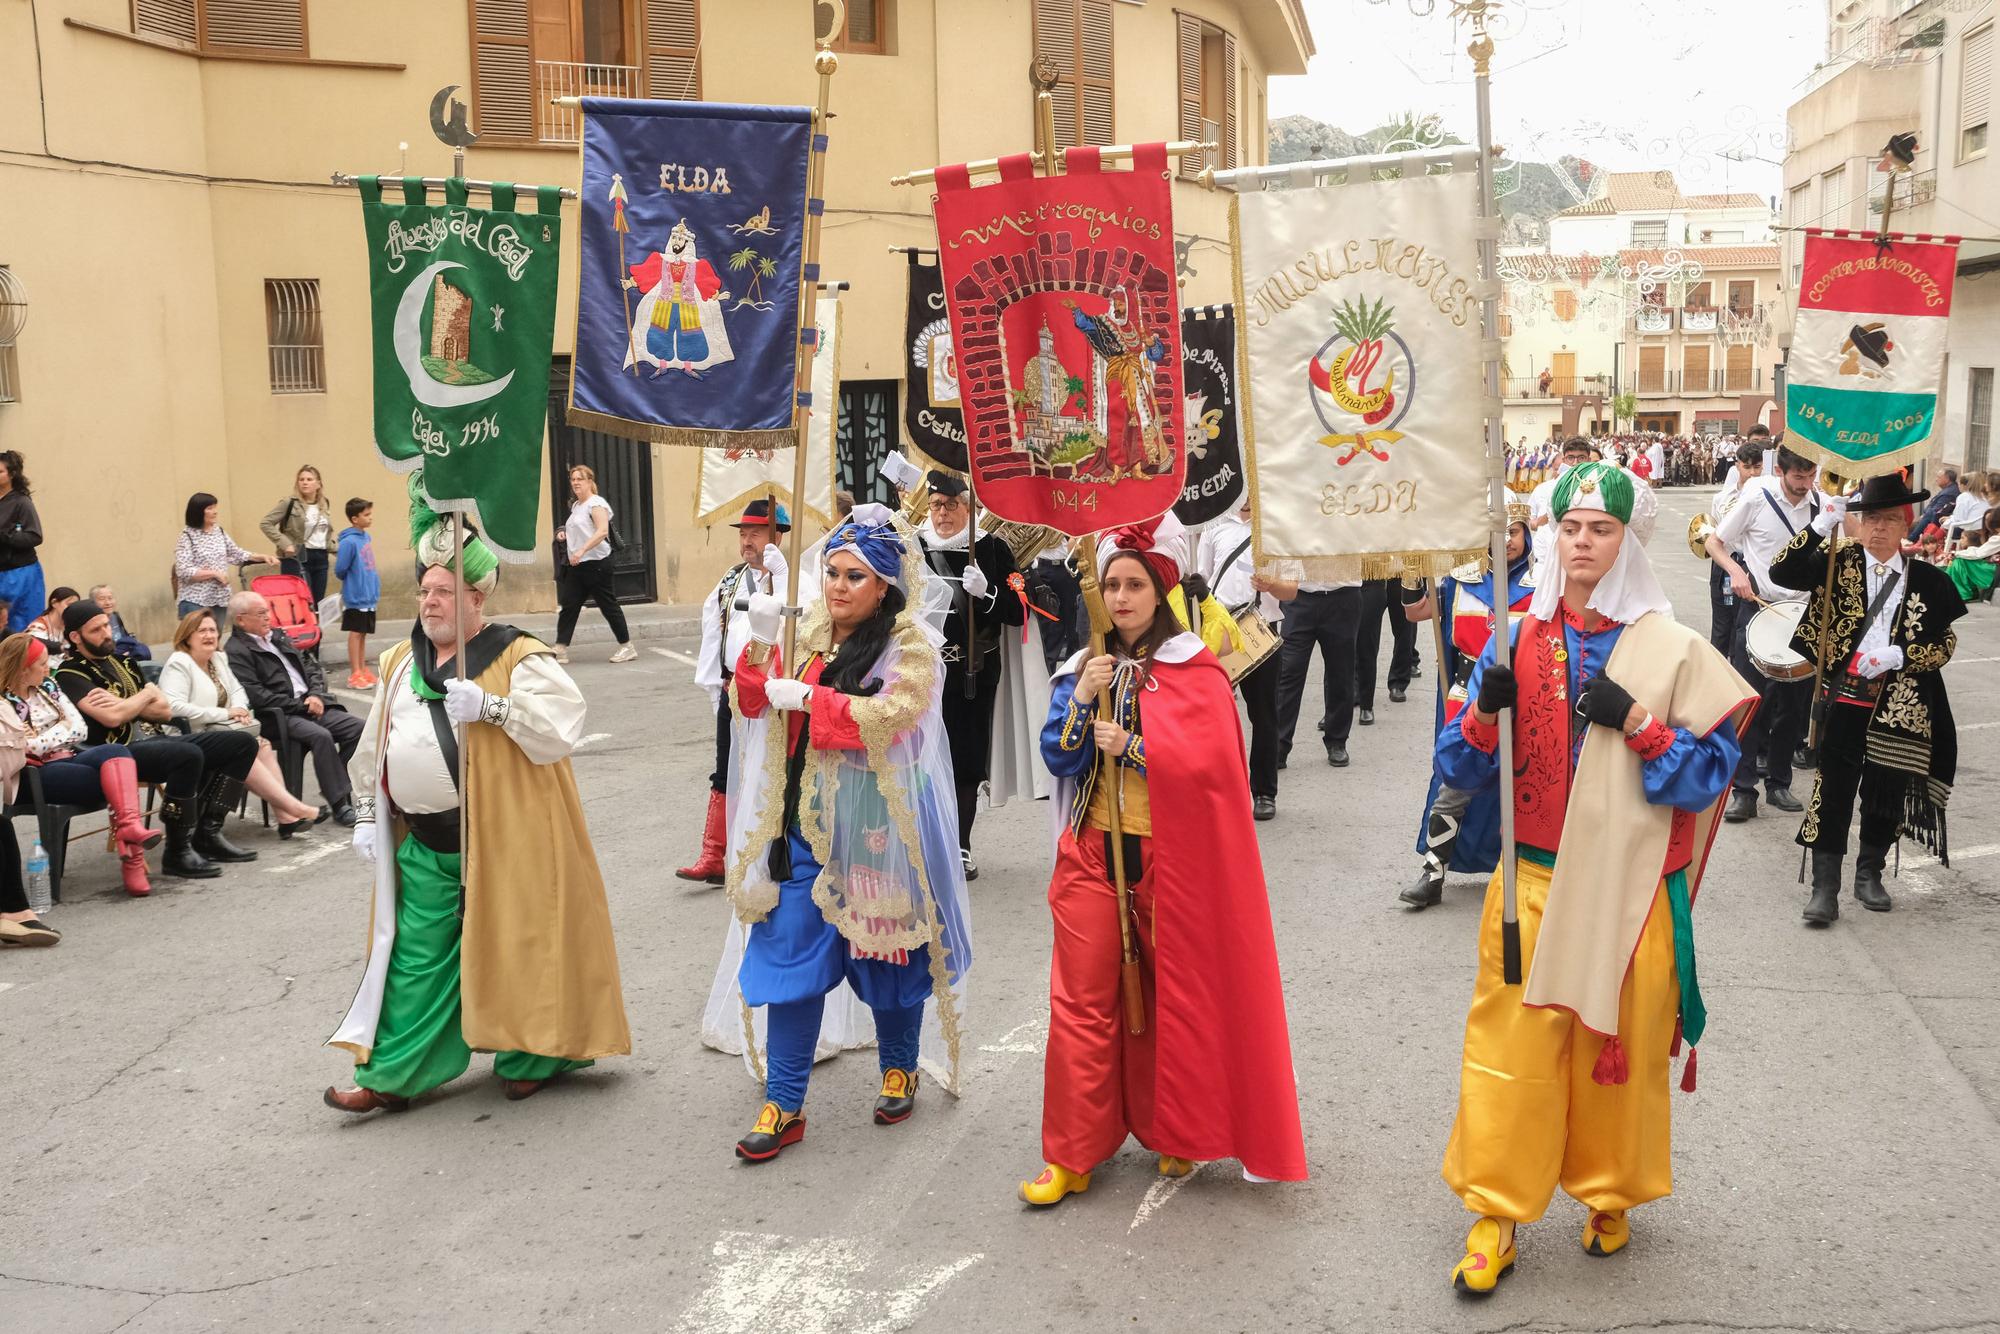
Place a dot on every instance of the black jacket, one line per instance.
(20, 531)
(264, 678)
(1000, 606)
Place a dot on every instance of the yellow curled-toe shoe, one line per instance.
(1606, 1232)
(1052, 1185)
(1171, 1166)
(1489, 1256)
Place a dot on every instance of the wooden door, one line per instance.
(1565, 373)
(1653, 369)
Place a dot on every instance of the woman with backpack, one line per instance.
(301, 529)
(585, 546)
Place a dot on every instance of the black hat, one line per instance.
(1889, 491)
(79, 614)
(759, 512)
(945, 483)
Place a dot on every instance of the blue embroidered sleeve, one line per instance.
(1694, 771)
(1067, 744)
(1461, 764)
(1135, 754)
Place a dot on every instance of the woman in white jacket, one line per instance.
(198, 683)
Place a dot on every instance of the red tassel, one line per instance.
(1610, 1067)
(1675, 1050)
(1687, 1073)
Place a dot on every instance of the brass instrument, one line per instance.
(1701, 527)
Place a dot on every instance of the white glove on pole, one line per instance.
(464, 701)
(901, 472)
(774, 564)
(364, 841)
(1880, 661)
(976, 582)
(1827, 522)
(766, 617)
(785, 693)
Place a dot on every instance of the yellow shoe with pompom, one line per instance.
(1052, 1185)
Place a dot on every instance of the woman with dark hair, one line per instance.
(203, 558)
(1210, 1073)
(843, 860)
(20, 533)
(48, 627)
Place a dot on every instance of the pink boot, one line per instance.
(120, 781)
(133, 865)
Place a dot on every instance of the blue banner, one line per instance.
(691, 261)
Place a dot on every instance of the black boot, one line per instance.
(1440, 836)
(1742, 805)
(898, 1098)
(1823, 909)
(216, 799)
(775, 1129)
(180, 858)
(1868, 890)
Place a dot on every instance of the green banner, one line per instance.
(464, 304)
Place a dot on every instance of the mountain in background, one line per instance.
(1526, 208)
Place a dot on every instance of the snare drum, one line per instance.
(1768, 641)
(1259, 643)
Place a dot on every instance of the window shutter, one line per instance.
(673, 49)
(1190, 88)
(1694, 368)
(1230, 160)
(503, 70)
(271, 26)
(1975, 79)
(1737, 375)
(1094, 90)
(171, 19)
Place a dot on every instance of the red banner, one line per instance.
(1066, 319)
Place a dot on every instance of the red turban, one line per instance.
(1142, 541)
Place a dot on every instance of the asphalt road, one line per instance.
(170, 1166)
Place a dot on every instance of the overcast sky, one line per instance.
(1624, 83)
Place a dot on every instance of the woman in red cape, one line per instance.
(1211, 1077)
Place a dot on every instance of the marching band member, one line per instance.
(1211, 1076)
(1723, 607)
(1223, 558)
(1624, 740)
(1887, 734)
(724, 632)
(822, 869)
(1461, 828)
(1769, 513)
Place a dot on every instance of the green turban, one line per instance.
(1594, 486)
(432, 538)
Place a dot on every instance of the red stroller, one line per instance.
(292, 608)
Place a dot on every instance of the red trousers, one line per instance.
(1097, 1081)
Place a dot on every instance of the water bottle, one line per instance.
(39, 900)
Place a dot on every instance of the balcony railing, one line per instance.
(1653, 319)
(1698, 319)
(1912, 189)
(1700, 384)
(1518, 387)
(557, 78)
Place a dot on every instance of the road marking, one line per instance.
(1026, 1038)
(592, 738)
(307, 858)
(1925, 860)
(1158, 1194)
(677, 657)
(4, 986)
(1958, 661)
(1977, 727)
(808, 1286)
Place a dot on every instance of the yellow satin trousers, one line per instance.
(1530, 1117)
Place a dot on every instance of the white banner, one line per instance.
(1359, 357)
(732, 477)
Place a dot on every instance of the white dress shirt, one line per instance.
(1232, 586)
(1755, 529)
(1879, 572)
(725, 630)
(1296, 570)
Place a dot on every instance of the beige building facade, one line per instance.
(188, 291)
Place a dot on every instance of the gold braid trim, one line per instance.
(1931, 657)
(753, 900)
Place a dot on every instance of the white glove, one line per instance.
(364, 841)
(1879, 662)
(785, 693)
(1827, 521)
(774, 563)
(767, 617)
(901, 472)
(976, 582)
(464, 701)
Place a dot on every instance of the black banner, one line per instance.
(1214, 455)
(932, 418)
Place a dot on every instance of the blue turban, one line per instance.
(870, 533)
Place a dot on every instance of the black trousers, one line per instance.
(332, 738)
(579, 583)
(1783, 712)
(13, 886)
(968, 726)
(724, 718)
(1260, 701)
(1722, 608)
(1844, 773)
(1329, 622)
(1379, 598)
(179, 764)
(1059, 637)
(311, 565)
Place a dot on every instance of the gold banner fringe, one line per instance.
(680, 435)
(1378, 565)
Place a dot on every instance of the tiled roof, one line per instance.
(1541, 267)
(1651, 191)
(1708, 256)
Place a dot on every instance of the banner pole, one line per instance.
(1481, 51)
(825, 62)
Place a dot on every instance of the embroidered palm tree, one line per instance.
(758, 267)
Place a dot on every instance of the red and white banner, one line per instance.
(1066, 319)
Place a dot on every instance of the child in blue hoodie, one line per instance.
(360, 589)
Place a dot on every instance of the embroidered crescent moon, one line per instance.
(409, 341)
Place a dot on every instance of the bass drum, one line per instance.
(1768, 641)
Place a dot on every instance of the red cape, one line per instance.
(1223, 1081)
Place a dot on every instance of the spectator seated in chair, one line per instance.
(128, 644)
(275, 675)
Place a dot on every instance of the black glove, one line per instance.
(1604, 702)
(1497, 689)
(1414, 594)
(1195, 588)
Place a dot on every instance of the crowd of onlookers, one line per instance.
(94, 718)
